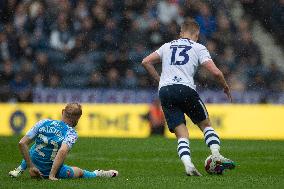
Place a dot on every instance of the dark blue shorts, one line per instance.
(177, 100)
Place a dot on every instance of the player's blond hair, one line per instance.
(190, 25)
(72, 112)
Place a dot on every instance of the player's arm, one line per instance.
(67, 144)
(24, 149)
(148, 62)
(58, 161)
(212, 68)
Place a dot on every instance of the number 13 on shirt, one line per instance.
(183, 53)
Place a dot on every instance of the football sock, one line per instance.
(89, 174)
(23, 165)
(212, 140)
(184, 151)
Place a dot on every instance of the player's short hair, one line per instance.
(190, 25)
(73, 111)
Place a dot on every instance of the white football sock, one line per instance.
(212, 140)
(184, 151)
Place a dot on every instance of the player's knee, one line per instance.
(78, 173)
(203, 124)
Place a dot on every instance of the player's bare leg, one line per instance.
(80, 173)
(181, 133)
(213, 142)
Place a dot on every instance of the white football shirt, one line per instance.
(180, 59)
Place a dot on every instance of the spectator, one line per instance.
(90, 39)
(38, 81)
(7, 10)
(247, 49)
(156, 118)
(61, 37)
(278, 18)
(21, 88)
(79, 48)
(145, 21)
(20, 17)
(126, 20)
(190, 8)
(38, 24)
(237, 82)
(168, 11)
(110, 35)
(81, 10)
(274, 78)
(130, 80)
(135, 33)
(172, 32)
(155, 37)
(54, 81)
(144, 82)
(110, 61)
(26, 70)
(100, 14)
(206, 20)
(113, 79)
(24, 49)
(43, 67)
(212, 48)
(4, 47)
(6, 76)
(123, 61)
(244, 25)
(224, 34)
(11, 39)
(228, 58)
(96, 80)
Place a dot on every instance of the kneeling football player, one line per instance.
(52, 141)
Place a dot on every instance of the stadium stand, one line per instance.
(100, 44)
(269, 13)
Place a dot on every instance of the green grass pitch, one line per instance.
(153, 163)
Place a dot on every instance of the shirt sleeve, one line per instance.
(70, 138)
(160, 51)
(203, 55)
(34, 130)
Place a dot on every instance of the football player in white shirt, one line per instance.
(180, 59)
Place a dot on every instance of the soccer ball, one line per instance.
(213, 166)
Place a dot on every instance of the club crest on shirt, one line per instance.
(177, 79)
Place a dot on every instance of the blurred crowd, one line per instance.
(100, 44)
(269, 13)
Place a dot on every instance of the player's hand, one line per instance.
(227, 91)
(52, 178)
(35, 173)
